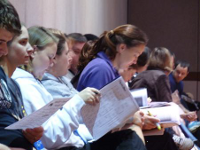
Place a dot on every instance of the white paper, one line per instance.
(115, 107)
(140, 96)
(38, 117)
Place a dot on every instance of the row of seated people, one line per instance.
(44, 59)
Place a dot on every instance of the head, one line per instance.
(122, 45)
(91, 37)
(75, 42)
(9, 25)
(142, 62)
(160, 58)
(19, 49)
(62, 59)
(181, 70)
(44, 44)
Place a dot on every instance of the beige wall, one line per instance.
(84, 16)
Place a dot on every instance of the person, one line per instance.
(155, 79)
(10, 110)
(177, 76)
(35, 95)
(142, 64)
(116, 49)
(85, 50)
(75, 42)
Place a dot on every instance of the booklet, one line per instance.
(169, 115)
(38, 117)
(116, 106)
(140, 96)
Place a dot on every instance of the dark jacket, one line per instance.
(157, 84)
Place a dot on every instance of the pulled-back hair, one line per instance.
(160, 58)
(9, 18)
(126, 34)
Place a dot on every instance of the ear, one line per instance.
(55, 59)
(121, 48)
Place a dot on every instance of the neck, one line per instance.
(53, 72)
(8, 67)
(115, 63)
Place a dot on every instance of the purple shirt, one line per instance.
(97, 73)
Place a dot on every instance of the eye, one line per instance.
(23, 42)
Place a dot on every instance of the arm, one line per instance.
(59, 127)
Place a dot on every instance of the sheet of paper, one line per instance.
(38, 117)
(140, 96)
(115, 107)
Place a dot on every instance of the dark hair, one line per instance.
(144, 57)
(183, 64)
(9, 18)
(85, 52)
(61, 43)
(127, 34)
(77, 37)
(91, 37)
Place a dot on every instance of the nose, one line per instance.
(135, 60)
(29, 49)
(69, 60)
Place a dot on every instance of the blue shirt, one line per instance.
(97, 73)
(175, 85)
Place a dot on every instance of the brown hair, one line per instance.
(160, 58)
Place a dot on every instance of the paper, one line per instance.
(168, 115)
(115, 107)
(38, 117)
(140, 96)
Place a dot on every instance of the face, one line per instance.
(62, 62)
(42, 59)
(75, 51)
(180, 73)
(127, 56)
(20, 49)
(5, 36)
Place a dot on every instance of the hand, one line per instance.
(190, 116)
(150, 122)
(90, 95)
(33, 135)
(138, 118)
